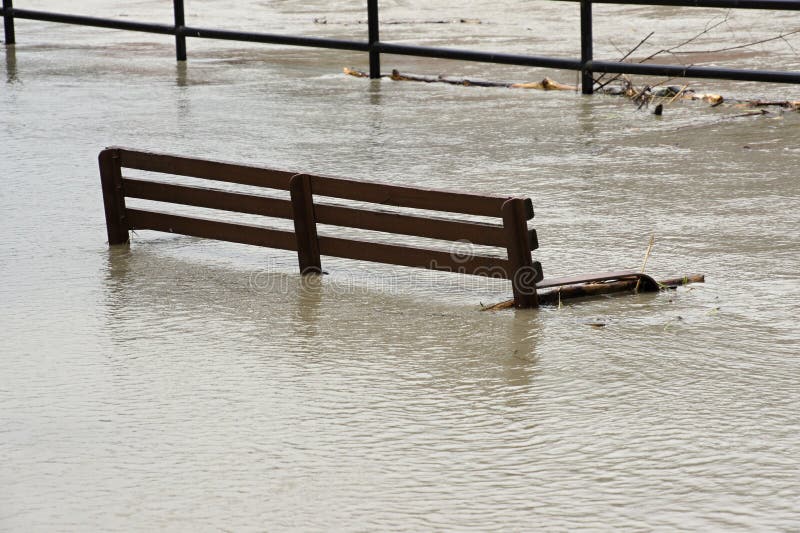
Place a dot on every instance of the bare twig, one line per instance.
(623, 58)
(672, 49)
(678, 94)
(708, 28)
(646, 257)
(746, 45)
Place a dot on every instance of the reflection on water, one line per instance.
(11, 64)
(179, 383)
(181, 68)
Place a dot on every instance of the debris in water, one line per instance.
(642, 96)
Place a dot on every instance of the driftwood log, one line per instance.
(324, 20)
(545, 85)
(567, 292)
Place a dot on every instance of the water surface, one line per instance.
(182, 384)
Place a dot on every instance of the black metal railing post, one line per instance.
(587, 81)
(374, 38)
(180, 38)
(8, 21)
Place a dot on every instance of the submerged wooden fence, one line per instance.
(511, 233)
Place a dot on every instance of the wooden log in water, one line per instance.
(545, 85)
(552, 297)
(398, 76)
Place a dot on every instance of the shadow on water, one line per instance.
(152, 295)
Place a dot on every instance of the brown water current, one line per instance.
(182, 384)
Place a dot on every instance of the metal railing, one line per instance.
(586, 64)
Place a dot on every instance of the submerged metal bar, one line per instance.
(96, 22)
(778, 5)
(485, 57)
(180, 39)
(165, 29)
(374, 38)
(587, 81)
(8, 21)
(268, 38)
(677, 71)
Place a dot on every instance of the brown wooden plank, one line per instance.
(414, 197)
(413, 257)
(648, 283)
(212, 229)
(524, 272)
(207, 197)
(305, 227)
(429, 227)
(206, 169)
(113, 197)
(365, 191)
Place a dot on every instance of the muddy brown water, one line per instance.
(183, 384)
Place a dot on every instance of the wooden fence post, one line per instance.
(113, 196)
(305, 224)
(524, 272)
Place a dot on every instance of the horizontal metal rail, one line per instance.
(80, 20)
(268, 38)
(482, 57)
(187, 31)
(586, 64)
(774, 5)
(677, 71)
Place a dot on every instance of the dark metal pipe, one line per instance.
(180, 39)
(94, 21)
(587, 81)
(165, 29)
(8, 22)
(673, 71)
(485, 57)
(374, 38)
(315, 42)
(779, 5)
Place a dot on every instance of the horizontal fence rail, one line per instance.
(306, 212)
(586, 64)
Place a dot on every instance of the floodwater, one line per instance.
(182, 384)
